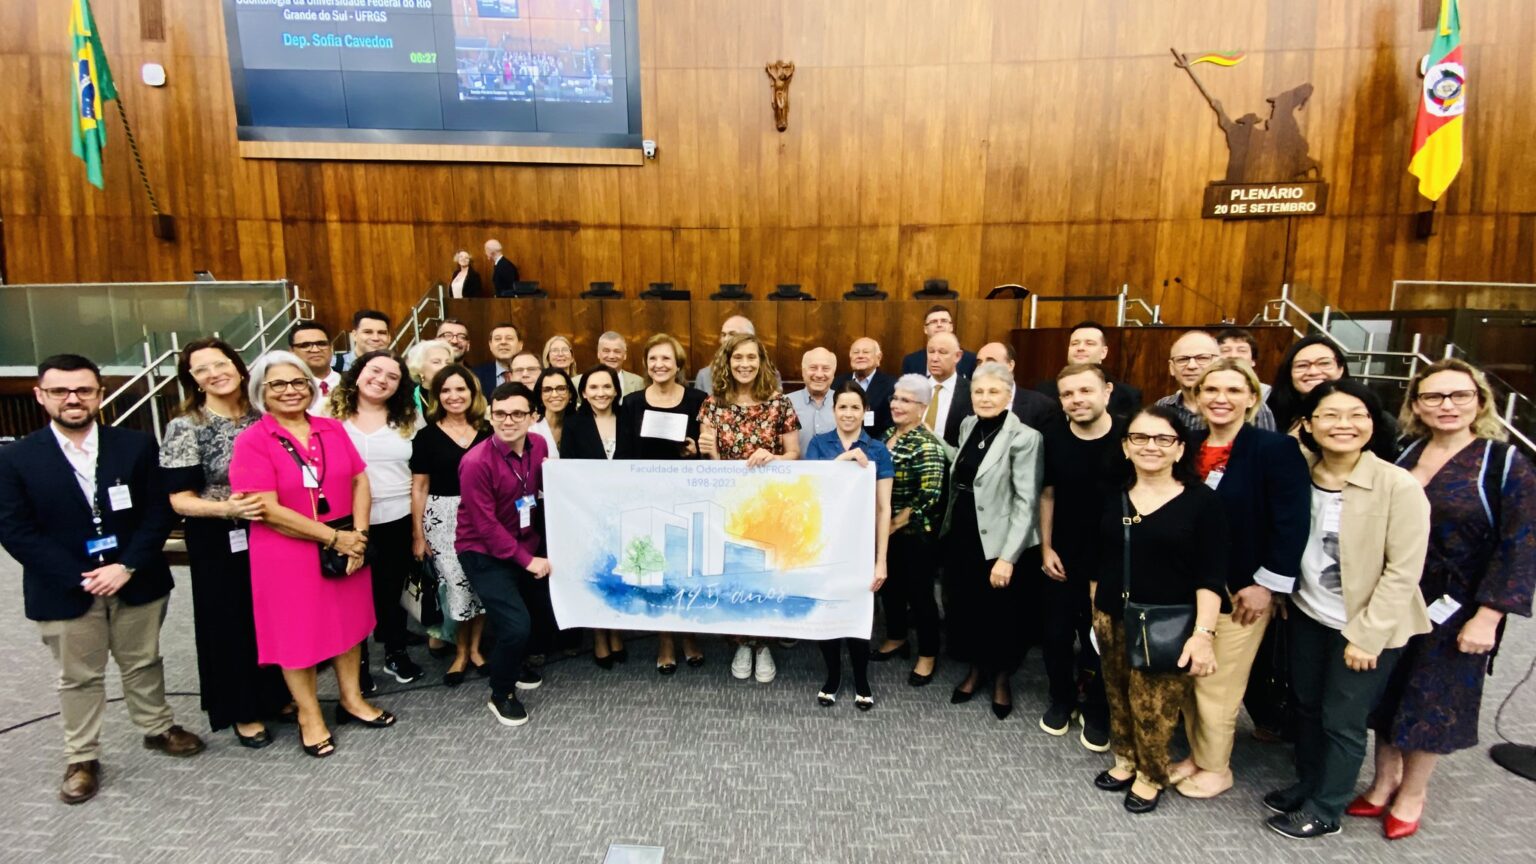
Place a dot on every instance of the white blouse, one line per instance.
(388, 456)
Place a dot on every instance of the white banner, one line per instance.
(785, 550)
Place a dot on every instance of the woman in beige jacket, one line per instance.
(1357, 602)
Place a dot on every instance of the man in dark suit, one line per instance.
(503, 271)
(82, 508)
(951, 399)
(1088, 344)
(938, 320)
(864, 358)
(505, 343)
(370, 332)
(1037, 410)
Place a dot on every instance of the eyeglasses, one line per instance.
(1356, 418)
(280, 386)
(215, 366)
(1195, 359)
(1140, 439)
(1459, 398)
(453, 337)
(1326, 364)
(555, 390)
(60, 394)
(311, 346)
(515, 416)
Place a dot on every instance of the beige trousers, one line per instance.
(80, 646)
(1210, 715)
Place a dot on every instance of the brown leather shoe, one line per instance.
(81, 779)
(175, 741)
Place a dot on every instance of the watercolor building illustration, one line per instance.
(684, 545)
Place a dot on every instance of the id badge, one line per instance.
(119, 497)
(1332, 512)
(99, 545)
(1213, 479)
(310, 480)
(239, 541)
(525, 511)
(1441, 610)
(869, 418)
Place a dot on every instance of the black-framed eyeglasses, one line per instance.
(1197, 359)
(555, 389)
(281, 386)
(1140, 439)
(311, 346)
(60, 394)
(1459, 398)
(515, 415)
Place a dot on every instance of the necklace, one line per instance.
(990, 435)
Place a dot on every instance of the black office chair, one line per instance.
(865, 291)
(601, 291)
(789, 292)
(528, 289)
(1008, 292)
(665, 291)
(935, 289)
(732, 291)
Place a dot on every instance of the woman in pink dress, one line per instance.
(302, 616)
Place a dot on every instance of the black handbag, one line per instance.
(333, 564)
(1154, 633)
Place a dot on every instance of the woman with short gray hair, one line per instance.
(917, 492)
(989, 521)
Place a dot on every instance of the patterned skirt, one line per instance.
(440, 523)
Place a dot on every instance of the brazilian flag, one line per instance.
(93, 88)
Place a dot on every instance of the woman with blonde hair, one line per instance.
(748, 418)
(1481, 567)
(423, 361)
(560, 354)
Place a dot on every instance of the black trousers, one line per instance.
(909, 586)
(1068, 619)
(1333, 707)
(391, 547)
(496, 582)
(858, 652)
(541, 638)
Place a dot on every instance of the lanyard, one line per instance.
(321, 505)
(522, 481)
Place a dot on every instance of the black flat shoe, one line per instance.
(959, 697)
(620, 656)
(1136, 804)
(666, 668)
(603, 662)
(319, 751)
(453, 679)
(904, 650)
(1110, 783)
(255, 742)
(695, 661)
(447, 649)
(383, 721)
(1001, 711)
(481, 669)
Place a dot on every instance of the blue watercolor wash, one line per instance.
(743, 596)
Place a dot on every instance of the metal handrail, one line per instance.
(435, 295)
(1414, 356)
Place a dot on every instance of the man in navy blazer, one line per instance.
(938, 320)
(864, 359)
(84, 511)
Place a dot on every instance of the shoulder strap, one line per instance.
(1125, 557)
(1491, 483)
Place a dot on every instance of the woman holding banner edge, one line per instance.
(850, 443)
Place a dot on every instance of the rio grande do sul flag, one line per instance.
(93, 89)
(1437, 134)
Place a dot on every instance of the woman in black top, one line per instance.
(593, 433)
(1178, 552)
(195, 457)
(665, 395)
(454, 426)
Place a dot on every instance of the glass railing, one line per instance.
(113, 322)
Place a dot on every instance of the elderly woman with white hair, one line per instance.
(990, 519)
(422, 362)
(917, 494)
(315, 496)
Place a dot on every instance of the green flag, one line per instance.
(93, 88)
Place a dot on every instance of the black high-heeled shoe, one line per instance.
(863, 701)
(960, 697)
(383, 721)
(605, 662)
(255, 742)
(620, 656)
(904, 650)
(1001, 711)
(826, 697)
(319, 751)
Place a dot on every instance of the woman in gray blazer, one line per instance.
(989, 521)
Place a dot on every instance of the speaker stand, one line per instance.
(1515, 758)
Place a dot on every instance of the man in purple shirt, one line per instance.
(498, 542)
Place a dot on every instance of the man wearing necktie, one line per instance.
(312, 343)
(951, 400)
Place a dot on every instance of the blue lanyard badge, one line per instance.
(98, 546)
(525, 507)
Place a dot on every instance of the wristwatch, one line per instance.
(130, 569)
(1206, 630)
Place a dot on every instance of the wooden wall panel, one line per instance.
(981, 141)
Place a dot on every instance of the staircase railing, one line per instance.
(419, 318)
(1280, 311)
(1123, 301)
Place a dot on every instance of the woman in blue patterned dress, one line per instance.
(1481, 567)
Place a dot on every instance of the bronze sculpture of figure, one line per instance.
(779, 72)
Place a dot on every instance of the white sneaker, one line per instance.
(741, 664)
(765, 668)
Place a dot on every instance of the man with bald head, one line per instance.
(1187, 359)
(813, 405)
(1037, 410)
(951, 399)
(729, 327)
(864, 364)
(503, 271)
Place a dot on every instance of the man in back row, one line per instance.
(1187, 360)
(864, 361)
(1088, 343)
(505, 343)
(312, 343)
(938, 320)
(370, 332)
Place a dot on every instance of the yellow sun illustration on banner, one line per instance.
(784, 514)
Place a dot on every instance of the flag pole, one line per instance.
(1178, 60)
(164, 225)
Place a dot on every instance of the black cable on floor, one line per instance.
(1499, 715)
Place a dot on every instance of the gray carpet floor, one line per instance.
(712, 769)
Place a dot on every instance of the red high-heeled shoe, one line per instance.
(1365, 809)
(1397, 829)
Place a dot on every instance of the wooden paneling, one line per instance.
(981, 141)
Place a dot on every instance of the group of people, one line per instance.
(1173, 561)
